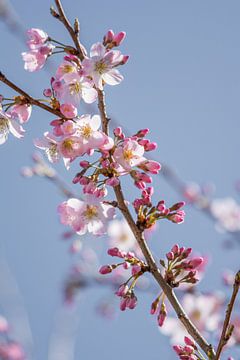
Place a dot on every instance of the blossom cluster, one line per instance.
(102, 160)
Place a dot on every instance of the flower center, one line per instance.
(52, 150)
(128, 155)
(86, 131)
(4, 126)
(67, 144)
(90, 212)
(75, 88)
(100, 67)
(66, 69)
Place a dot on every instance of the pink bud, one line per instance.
(47, 92)
(113, 181)
(105, 269)
(142, 133)
(189, 342)
(186, 252)
(151, 146)
(123, 304)
(124, 59)
(122, 290)
(170, 255)
(175, 249)
(177, 206)
(108, 37)
(68, 110)
(132, 302)
(115, 252)
(118, 131)
(118, 38)
(126, 265)
(84, 164)
(136, 269)
(178, 349)
(194, 263)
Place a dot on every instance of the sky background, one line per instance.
(183, 82)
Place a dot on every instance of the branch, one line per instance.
(228, 329)
(28, 97)
(192, 330)
(74, 35)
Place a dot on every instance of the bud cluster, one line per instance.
(189, 351)
(149, 214)
(138, 268)
(179, 268)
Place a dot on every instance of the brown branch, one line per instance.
(74, 34)
(192, 330)
(28, 97)
(228, 329)
(102, 110)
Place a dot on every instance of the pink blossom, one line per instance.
(22, 112)
(9, 125)
(90, 215)
(86, 128)
(71, 146)
(36, 38)
(66, 70)
(129, 154)
(35, 59)
(76, 88)
(102, 66)
(68, 110)
(50, 145)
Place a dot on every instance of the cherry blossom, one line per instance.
(74, 89)
(129, 154)
(49, 144)
(90, 215)
(9, 125)
(36, 38)
(101, 66)
(21, 112)
(35, 59)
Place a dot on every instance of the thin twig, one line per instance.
(74, 35)
(227, 329)
(28, 97)
(192, 330)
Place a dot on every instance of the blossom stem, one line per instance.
(75, 36)
(192, 330)
(225, 336)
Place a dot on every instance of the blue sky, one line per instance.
(183, 82)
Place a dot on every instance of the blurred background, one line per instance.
(183, 82)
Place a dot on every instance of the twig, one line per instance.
(28, 97)
(74, 35)
(228, 329)
(192, 330)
